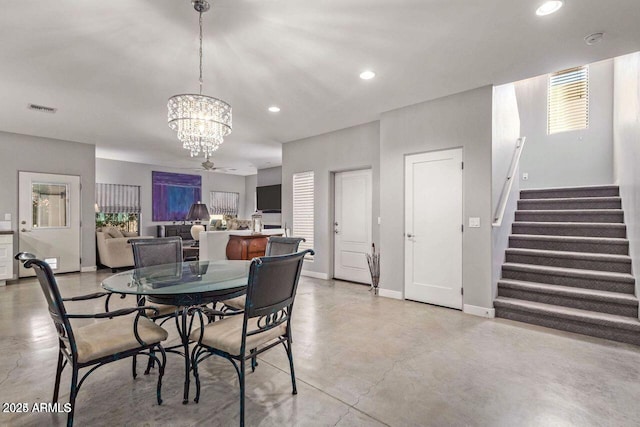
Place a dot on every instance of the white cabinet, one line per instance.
(6, 257)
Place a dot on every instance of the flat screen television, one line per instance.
(269, 198)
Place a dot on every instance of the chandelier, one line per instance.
(200, 121)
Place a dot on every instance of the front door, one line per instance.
(49, 220)
(433, 228)
(352, 226)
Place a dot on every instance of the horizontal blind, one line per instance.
(224, 203)
(118, 198)
(303, 202)
(568, 100)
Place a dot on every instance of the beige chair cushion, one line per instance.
(163, 309)
(237, 302)
(226, 334)
(114, 336)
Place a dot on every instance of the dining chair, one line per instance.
(266, 322)
(116, 336)
(157, 251)
(276, 245)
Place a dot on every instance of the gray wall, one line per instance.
(626, 137)
(250, 184)
(34, 154)
(460, 120)
(347, 149)
(573, 158)
(117, 172)
(506, 131)
(269, 176)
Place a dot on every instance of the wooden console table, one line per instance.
(248, 246)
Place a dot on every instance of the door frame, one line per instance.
(332, 213)
(80, 213)
(404, 217)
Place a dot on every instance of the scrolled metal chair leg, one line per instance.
(56, 387)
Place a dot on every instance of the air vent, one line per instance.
(42, 108)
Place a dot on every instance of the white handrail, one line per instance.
(506, 189)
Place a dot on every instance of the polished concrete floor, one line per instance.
(360, 361)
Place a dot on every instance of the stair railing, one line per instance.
(506, 188)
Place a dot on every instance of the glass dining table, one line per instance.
(186, 284)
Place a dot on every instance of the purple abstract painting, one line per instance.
(173, 194)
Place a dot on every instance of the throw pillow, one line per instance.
(115, 232)
(130, 234)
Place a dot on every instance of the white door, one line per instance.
(433, 228)
(49, 220)
(352, 226)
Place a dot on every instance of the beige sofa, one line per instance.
(115, 252)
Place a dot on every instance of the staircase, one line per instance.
(568, 266)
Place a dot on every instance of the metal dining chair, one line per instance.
(266, 322)
(276, 245)
(157, 251)
(116, 336)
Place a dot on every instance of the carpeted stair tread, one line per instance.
(613, 202)
(572, 272)
(571, 215)
(567, 259)
(579, 293)
(569, 192)
(603, 245)
(572, 239)
(567, 254)
(564, 228)
(575, 314)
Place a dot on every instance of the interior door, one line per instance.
(49, 220)
(433, 228)
(352, 226)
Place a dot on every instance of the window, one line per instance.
(568, 100)
(118, 205)
(303, 201)
(224, 203)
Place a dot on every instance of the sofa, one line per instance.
(113, 249)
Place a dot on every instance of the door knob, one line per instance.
(409, 235)
(24, 230)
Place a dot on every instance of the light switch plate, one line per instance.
(474, 222)
(525, 176)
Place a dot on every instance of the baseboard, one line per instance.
(489, 313)
(387, 293)
(88, 269)
(315, 274)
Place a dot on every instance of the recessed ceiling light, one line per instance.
(549, 7)
(274, 109)
(367, 75)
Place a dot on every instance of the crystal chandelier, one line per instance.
(201, 121)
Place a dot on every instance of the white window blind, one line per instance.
(224, 203)
(568, 100)
(303, 201)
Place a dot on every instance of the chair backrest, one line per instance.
(271, 290)
(277, 245)
(51, 292)
(150, 252)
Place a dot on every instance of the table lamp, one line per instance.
(197, 213)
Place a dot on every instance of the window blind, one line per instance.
(118, 198)
(224, 203)
(303, 203)
(568, 100)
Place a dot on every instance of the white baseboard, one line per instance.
(88, 269)
(489, 313)
(387, 293)
(315, 274)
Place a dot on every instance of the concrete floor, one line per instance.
(360, 361)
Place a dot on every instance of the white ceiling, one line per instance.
(110, 66)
